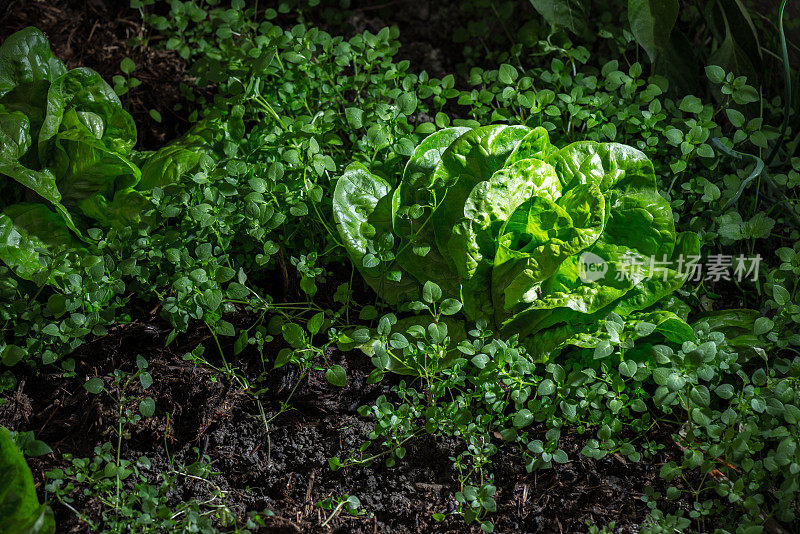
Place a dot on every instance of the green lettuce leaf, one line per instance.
(667, 326)
(26, 229)
(25, 57)
(171, 163)
(65, 136)
(356, 197)
(473, 245)
(83, 92)
(16, 140)
(413, 203)
(20, 511)
(472, 158)
(86, 167)
(536, 240)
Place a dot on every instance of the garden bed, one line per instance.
(238, 406)
(286, 469)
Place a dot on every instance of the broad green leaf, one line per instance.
(738, 47)
(450, 307)
(82, 135)
(609, 165)
(490, 204)
(570, 14)
(523, 418)
(431, 292)
(355, 198)
(664, 280)
(652, 22)
(672, 327)
(674, 305)
(25, 57)
(536, 240)
(83, 92)
(593, 335)
(86, 168)
(16, 141)
(172, 163)
(472, 158)
(762, 325)
(507, 73)
(15, 138)
(315, 323)
(691, 104)
(731, 322)
(94, 385)
(677, 61)
(294, 335)
(546, 387)
(781, 295)
(127, 207)
(716, 74)
(20, 511)
(536, 144)
(627, 368)
(415, 189)
(127, 65)
(147, 407)
(26, 229)
(354, 117)
(30, 99)
(418, 173)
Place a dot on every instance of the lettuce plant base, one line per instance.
(293, 474)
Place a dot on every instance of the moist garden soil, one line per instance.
(285, 468)
(282, 467)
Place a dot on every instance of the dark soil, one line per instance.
(286, 469)
(426, 29)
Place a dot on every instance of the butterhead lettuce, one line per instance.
(538, 241)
